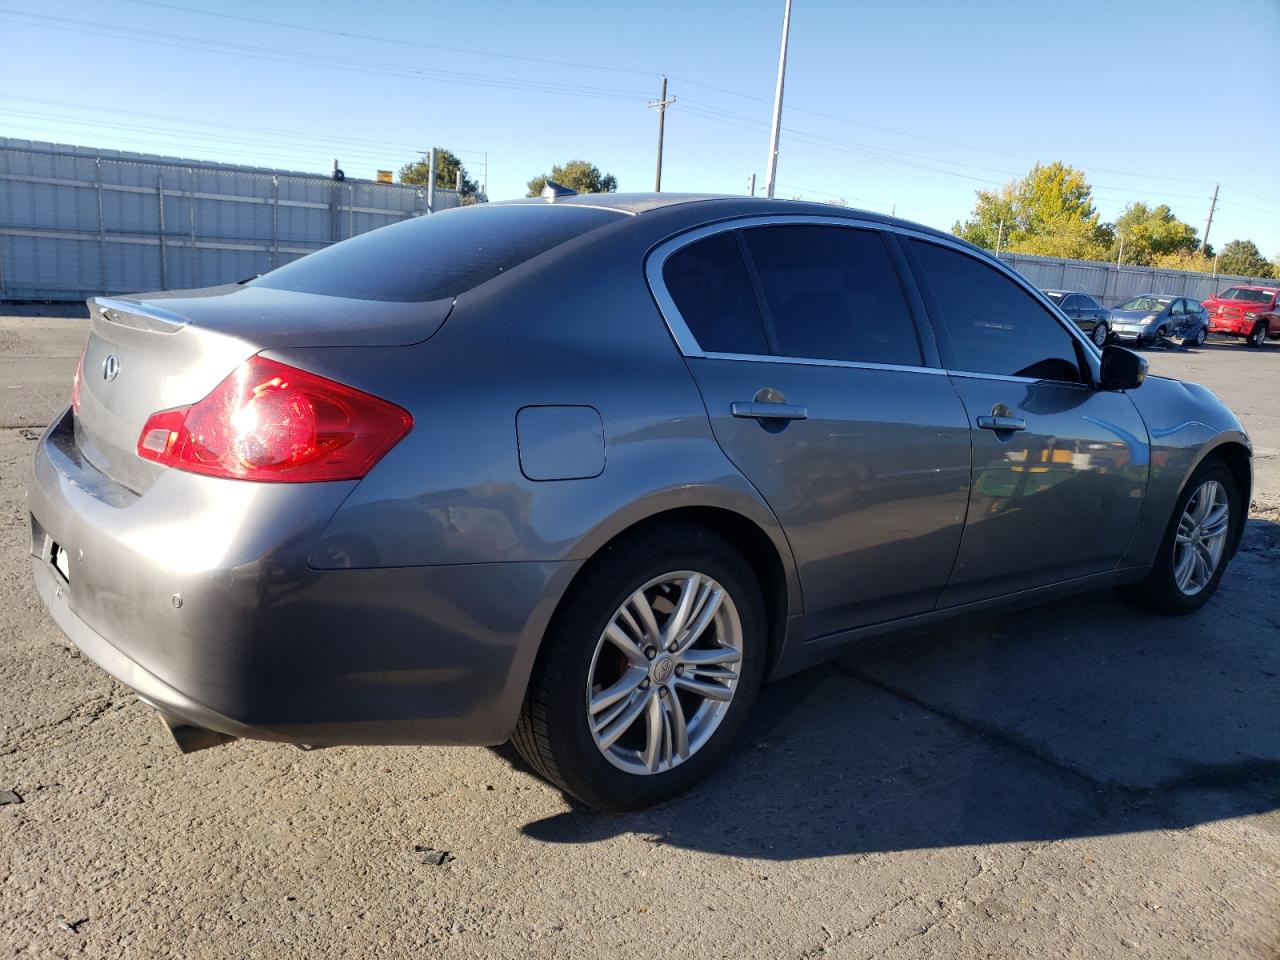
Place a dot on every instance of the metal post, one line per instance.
(431, 182)
(486, 174)
(275, 220)
(457, 182)
(751, 185)
(102, 233)
(191, 196)
(164, 256)
(777, 104)
(351, 210)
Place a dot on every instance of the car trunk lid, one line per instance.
(158, 351)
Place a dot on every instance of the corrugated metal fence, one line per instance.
(77, 221)
(1111, 285)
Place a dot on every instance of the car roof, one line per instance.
(641, 203)
(1252, 286)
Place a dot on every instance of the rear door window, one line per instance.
(436, 256)
(833, 294)
(987, 323)
(709, 283)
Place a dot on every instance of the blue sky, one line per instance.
(913, 103)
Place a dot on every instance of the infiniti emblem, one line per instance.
(110, 367)
(663, 668)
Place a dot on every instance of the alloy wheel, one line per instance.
(664, 672)
(1259, 335)
(1100, 334)
(1201, 537)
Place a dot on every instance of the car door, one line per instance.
(1059, 467)
(1090, 312)
(1071, 307)
(809, 358)
(1178, 318)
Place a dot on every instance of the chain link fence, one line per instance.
(76, 222)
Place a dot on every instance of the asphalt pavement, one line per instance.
(1076, 780)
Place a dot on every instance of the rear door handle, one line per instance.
(768, 411)
(999, 424)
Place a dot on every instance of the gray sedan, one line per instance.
(1085, 312)
(584, 472)
(1149, 318)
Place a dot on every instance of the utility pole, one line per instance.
(1204, 247)
(1120, 254)
(486, 174)
(999, 237)
(777, 104)
(660, 105)
(751, 185)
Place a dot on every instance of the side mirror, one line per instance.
(1122, 369)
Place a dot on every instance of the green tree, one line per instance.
(447, 167)
(577, 175)
(1243, 259)
(1150, 233)
(1048, 212)
(1193, 261)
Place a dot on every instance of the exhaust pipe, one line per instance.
(191, 738)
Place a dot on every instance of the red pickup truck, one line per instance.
(1249, 312)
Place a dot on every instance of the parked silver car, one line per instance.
(584, 473)
(1150, 318)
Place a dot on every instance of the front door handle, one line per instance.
(1001, 424)
(754, 410)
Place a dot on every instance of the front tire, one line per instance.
(1100, 334)
(648, 669)
(1196, 546)
(1259, 336)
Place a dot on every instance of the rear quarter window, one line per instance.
(436, 256)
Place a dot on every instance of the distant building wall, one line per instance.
(1112, 285)
(76, 221)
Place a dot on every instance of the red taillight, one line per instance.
(270, 421)
(75, 384)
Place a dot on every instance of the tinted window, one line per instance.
(1178, 308)
(1071, 304)
(709, 283)
(435, 256)
(1088, 303)
(990, 324)
(833, 294)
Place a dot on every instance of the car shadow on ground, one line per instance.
(1079, 718)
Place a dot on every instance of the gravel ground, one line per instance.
(1077, 780)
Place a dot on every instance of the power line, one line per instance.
(328, 140)
(346, 64)
(350, 35)
(346, 34)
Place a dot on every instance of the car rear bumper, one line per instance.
(198, 596)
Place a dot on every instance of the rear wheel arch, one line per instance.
(773, 569)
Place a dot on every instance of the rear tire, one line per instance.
(1163, 590)
(561, 731)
